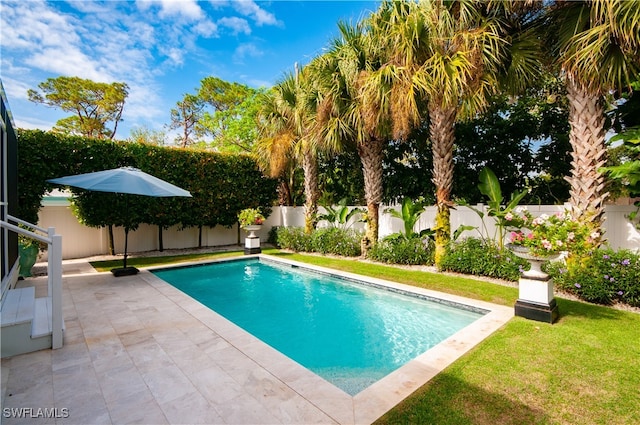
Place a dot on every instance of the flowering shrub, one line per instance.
(482, 258)
(551, 234)
(250, 217)
(605, 277)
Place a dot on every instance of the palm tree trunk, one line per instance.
(441, 129)
(586, 118)
(310, 168)
(371, 156)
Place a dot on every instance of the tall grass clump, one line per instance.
(482, 258)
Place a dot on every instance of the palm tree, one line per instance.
(444, 53)
(286, 120)
(341, 110)
(451, 56)
(596, 46)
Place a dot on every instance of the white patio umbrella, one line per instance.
(126, 180)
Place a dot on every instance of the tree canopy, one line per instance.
(94, 105)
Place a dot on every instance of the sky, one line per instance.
(161, 49)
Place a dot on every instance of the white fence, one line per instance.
(81, 241)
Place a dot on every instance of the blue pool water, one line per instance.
(349, 333)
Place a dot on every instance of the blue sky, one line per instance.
(160, 48)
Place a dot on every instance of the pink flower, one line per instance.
(546, 244)
(508, 216)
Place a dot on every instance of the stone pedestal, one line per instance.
(536, 300)
(535, 289)
(252, 242)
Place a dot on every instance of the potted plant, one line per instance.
(251, 220)
(539, 239)
(28, 250)
(546, 236)
(250, 217)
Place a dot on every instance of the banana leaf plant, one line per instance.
(409, 213)
(340, 215)
(489, 186)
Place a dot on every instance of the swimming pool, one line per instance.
(349, 332)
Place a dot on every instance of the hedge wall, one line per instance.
(221, 184)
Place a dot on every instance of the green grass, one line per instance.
(584, 369)
(105, 266)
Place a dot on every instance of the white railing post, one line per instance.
(50, 232)
(55, 276)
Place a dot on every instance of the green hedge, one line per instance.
(221, 184)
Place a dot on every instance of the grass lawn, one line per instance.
(584, 369)
(105, 266)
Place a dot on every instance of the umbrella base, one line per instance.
(124, 271)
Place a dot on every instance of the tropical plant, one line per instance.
(342, 110)
(489, 186)
(449, 55)
(286, 118)
(409, 213)
(340, 215)
(595, 45)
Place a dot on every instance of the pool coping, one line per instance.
(377, 399)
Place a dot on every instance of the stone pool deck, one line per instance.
(137, 350)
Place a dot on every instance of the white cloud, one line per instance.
(206, 29)
(185, 8)
(67, 61)
(246, 50)
(237, 25)
(15, 89)
(255, 12)
(31, 25)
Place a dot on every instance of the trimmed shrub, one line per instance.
(293, 238)
(605, 277)
(336, 241)
(482, 258)
(326, 241)
(400, 250)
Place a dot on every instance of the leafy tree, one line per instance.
(232, 121)
(147, 135)
(184, 117)
(94, 104)
(628, 172)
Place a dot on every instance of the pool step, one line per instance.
(26, 322)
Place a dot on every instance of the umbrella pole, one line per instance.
(125, 271)
(126, 239)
